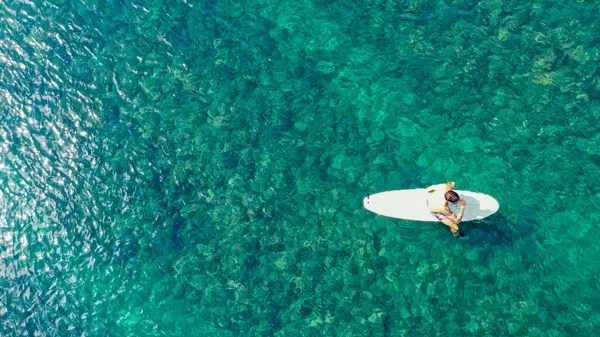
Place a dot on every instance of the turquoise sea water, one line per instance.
(197, 168)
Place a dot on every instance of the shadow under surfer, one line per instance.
(437, 201)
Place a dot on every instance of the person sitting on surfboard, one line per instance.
(437, 201)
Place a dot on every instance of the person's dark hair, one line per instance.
(451, 196)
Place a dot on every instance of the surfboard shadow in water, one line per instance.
(492, 231)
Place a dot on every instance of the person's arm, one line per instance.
(458, 217)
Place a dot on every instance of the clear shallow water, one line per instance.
(197, 169)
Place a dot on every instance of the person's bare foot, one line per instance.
(460, 235)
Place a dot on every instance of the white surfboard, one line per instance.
(412, 205)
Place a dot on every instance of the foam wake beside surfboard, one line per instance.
(412, 205)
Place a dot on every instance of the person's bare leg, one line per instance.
(453, 226)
